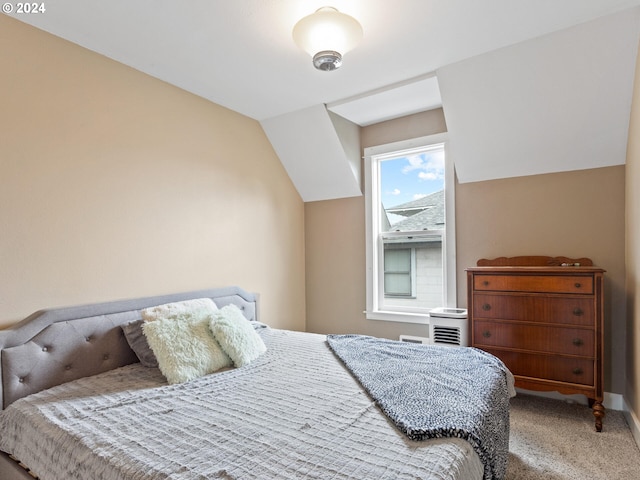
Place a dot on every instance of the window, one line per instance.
(410, 229)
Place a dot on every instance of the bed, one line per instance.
(78, 403)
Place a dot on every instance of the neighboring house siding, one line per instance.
(429, 279)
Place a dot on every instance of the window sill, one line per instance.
(404, 317)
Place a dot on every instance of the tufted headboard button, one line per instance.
(67, 367)
(21, 380)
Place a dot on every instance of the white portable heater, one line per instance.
(448, 326)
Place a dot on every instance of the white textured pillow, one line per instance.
(181, 340)
(177, 309)
(236, 335)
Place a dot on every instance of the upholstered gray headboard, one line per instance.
(58, 345)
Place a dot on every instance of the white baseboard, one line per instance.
(613, 401)
(633, 421)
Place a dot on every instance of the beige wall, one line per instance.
(577, 214)
(574, 213)
(335, 246)
(116, 185)
(632, 390)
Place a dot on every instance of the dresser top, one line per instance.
(555, 270)
(536, 263)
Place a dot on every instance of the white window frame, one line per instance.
(372, 155)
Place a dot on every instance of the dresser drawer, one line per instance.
(568, 310)
(550, 367)
(538, 338)
(534, 283)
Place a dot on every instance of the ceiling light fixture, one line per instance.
(327, 35)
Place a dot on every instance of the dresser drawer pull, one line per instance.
(578, 285)
(485, 283)
(577, 342)
(486, 334)
(577, 311)
(486, 307)
(577, 371)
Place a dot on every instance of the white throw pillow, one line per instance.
(176, 309)
(181, 340)
(236, 335)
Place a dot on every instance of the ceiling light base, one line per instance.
(327, 60)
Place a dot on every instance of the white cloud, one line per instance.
(415, 162)
(429, 175)
(430, 166)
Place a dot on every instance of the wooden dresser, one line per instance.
(543, 317)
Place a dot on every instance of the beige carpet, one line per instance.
(555, 440)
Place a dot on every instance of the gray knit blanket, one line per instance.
(436, 391)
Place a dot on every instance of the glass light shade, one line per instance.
(327, 30)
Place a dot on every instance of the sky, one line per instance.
(407, 178)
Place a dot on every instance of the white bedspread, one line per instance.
(294, 413)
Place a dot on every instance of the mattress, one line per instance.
(293, 413)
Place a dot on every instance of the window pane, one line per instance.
(424, 282)
(411, 189)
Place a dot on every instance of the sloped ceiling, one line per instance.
(318, 152)
(240, 54)
(556, 103)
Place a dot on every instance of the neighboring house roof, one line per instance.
(426, 213)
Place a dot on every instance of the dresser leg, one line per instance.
(598, 412)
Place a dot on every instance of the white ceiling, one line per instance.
(480, 54)
(240, 54)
